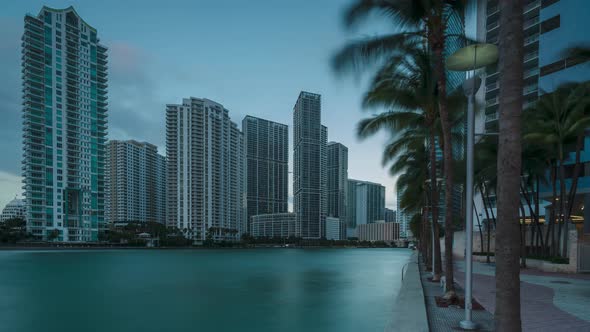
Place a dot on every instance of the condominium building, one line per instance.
(135, 183)
(403, 217)
(267, 166)
(366, 204)
(64, 125)
(337, 170)
(310, 162)
(205, 171)
(14, 209)
(379, 231)
(532, 31)
(273, 225)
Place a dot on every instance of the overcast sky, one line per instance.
(251, 56)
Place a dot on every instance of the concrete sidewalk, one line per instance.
(447, 319)
(549, 301)
(409, 311)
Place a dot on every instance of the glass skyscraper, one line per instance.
(366, 204)
(64, 125)
(267, 166)
(310, 162)
(337, 180)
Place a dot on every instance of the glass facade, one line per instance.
(64, 126)
(267, 166)
(310, 162)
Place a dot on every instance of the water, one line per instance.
(199, 290)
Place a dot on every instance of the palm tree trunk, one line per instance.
(537, 214)
(551, 222)
(573, 189)
(534, 214)
(522, 237)
(479, 227)
(434, 205)
(488, 225)
(507, 313)
(561, 218)
(436, 39)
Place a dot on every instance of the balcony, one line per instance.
(493, 10)
(491, 117)
(530, 89)
(493, 25)
(492, 102)
(531, 56)
(531, 72)
(532, 6)
(492, 86)
(529, 23)
(531, 39)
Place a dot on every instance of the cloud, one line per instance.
(10, 186)
(10, 95)
(135, 111)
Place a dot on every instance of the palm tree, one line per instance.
(507, 312)
(556, 121)
(425, 23)
(407, 87)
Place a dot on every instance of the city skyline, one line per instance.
(137, 98)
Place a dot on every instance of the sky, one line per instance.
(254, 57)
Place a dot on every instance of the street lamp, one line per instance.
(470, 58)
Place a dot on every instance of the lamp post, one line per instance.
(470, 58)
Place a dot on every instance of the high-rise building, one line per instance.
(403, 218)
(205, 181)
(14, 209)
(267, 166)
(135, 183)
(366, 204)
(390, 215)
(310, 162)
(64, 125)
(337, 170)
(532, 30)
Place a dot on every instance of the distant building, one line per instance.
(403, 218)
(366, 204)
(14, 209)
(390, 215)
(273, 225)
(64, 71)
(335, 229)
(309, 168)
(205, 181)
(337, 170)
(267, 166)
(135, 183)
(379, 231)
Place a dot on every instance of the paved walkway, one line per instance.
(549, 301)
(409, 312)
(447, 319)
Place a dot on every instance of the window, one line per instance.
(550, 24)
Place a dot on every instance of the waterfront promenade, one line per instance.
(549, 301)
